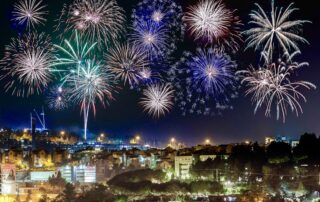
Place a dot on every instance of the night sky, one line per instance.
(124, 116)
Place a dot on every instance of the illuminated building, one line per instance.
(268, 140)
(80, 173)
(8, 179)
(182, 165)
(41, 176)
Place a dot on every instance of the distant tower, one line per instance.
(33, 131)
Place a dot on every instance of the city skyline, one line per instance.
(124, 116)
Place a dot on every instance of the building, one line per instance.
(268, 140)
(182, 166)
(207, 156)
(41, 176)
(80, 173)
(8, 179)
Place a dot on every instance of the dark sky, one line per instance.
(124, 116)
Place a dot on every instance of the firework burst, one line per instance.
(128, 63)
(272, 86)
(211, 22)
(205, 82)
(95, 20)
(157, 99)
(90, 85)
(27, 65)
(29, 12)
(276, 30)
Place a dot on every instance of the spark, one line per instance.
(158, 99)
(29, 12)
(272, 86)
(276, 30)
(127, 62)
(211, 22)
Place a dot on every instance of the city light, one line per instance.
(207, 142)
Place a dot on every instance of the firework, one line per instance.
(127, 63)
(158, 99)
(272, 86)
(29, 12)
(90, 85)
(164, 13)
(212, 70)
(57, 98)
(276, 30)
(27, 65)
(152, 38)
(211, 22)
(95, 20)
(205, 82)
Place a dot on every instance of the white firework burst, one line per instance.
(127, 62)
(211, 22)
(272, 86)
(96, 20)
(158, 99)
(26, 65)
(91, 84)
(274, 30)
(32, 68)
(29, 12)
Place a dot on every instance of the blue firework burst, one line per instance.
(205, 82)
(160, 21)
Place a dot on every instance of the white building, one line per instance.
(81, 173)
(41, 176)
(8, 179)
(182, 166)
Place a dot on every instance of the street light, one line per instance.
(207, 141)
(172, 140)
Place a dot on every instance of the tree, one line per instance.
(29, 198)
(57, 181)
(99, 193)
(44, 198)
(278, 153)
(68, 194)
(308, 149)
